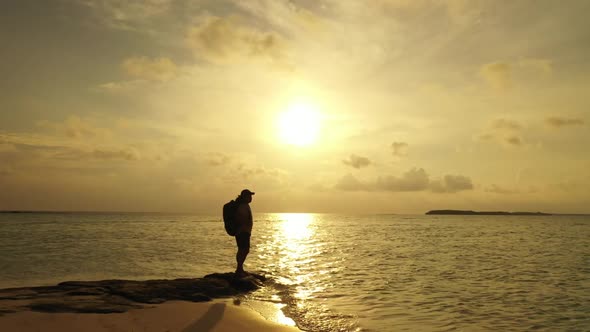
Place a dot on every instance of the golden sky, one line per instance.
(377, 106)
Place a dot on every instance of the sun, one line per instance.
(300, 124)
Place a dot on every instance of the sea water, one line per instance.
(334, 272)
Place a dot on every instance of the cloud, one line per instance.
(226, 40)
(218, 159)
(30, 140)
(505, 131)
(259, 175)
(506, 124)
(126, 15)
(486, 137)
(451, 184)
(558, 122)
(73, 153)
(500, 190)
(158, 69)
(399, 149)
(123, 86)
(457, 11)
(415, 179)
(129, 153)
(287, 16)
(74, 139)
(246, 172)
(572, 185)
(6, 147)
(541, 65)
(357, 161)
(498, 75)
(513, 140)
(6, 170)
(350, 183)
(76, 127)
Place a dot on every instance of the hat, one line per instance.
(246, 192)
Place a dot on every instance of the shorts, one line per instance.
(243, 240)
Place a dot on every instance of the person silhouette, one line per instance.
(244, 222)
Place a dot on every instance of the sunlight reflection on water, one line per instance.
(296, 225)
(295, 255)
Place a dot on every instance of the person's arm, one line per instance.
(242, 216)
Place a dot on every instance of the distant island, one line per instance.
(17, 211)
(486, 213)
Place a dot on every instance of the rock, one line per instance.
(250, 282)
(108, 296)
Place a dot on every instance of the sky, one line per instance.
(376, 106)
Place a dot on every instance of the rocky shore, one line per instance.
(117, 296)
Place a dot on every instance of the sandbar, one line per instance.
(207, 304)
(181, 316)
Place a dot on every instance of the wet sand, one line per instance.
(218, 316)
(187, 305)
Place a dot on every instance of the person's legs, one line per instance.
(243, 242)
(240, 258)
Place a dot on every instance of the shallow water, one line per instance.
(336, 272)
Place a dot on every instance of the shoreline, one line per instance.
(211, 303)
(219, 315)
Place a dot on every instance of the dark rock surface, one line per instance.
(109, 296)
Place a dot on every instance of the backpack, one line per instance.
(229, 217)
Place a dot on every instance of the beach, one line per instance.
(218, 315)
(125, 305)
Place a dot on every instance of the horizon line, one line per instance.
(208, 214)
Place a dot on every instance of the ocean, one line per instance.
(334, 272)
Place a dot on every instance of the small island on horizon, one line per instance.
(487, 213)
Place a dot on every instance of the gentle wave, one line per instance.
(336, 272)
